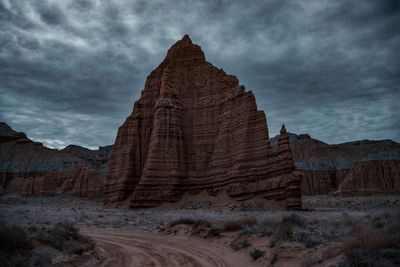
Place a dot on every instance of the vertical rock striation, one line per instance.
(374, 176)
(81, 182)
(195, 128)
(325, 167)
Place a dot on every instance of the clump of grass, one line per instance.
(182, 221)
(256, 253)
(65, 237)
(213, 232)
(189, 221)
(294, 219)
(40, 259)
(14, 238)
(261, 228)
(204, 229)
(368, 238)
(285, 230)
(201, 228)
(202, 224)
(237, 225)
(239, 244)
(307, 239)
(370, 247)
(15, 246)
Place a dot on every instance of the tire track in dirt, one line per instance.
(130, 249)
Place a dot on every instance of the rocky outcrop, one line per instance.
(29, 168)
(81, 182)
(96, 158)
(19, 154)
(195, 128)
(326, 166)
(373, 176)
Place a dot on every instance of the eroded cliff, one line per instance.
(195, 128)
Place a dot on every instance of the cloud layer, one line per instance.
(71, 70)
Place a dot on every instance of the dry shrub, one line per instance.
(237, 225)
(15, 246)
(370, 247)
(260, 228)
(284, 232)
(212, 232)
(64, 236)
(202, 228)
(256, 253)
(239, 244)
(14, 238)
(294, 219)
(40, 259)
(202, 224)
(187, 221)
(367, 238)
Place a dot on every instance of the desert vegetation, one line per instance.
(38, 246)
(65, 237)
(362, 241)
(373, 246)
(365, 234)
(15, 246)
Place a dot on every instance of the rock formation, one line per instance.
(370, 177)
(325, 167)
(81, 182)
(29, 168)
(98, 159)
(195, 128)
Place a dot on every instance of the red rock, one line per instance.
(29, 168)
(375, 176)
(82, 182)
(195, 128)
(325, 166)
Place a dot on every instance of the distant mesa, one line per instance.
(354, 168)
(31, 169)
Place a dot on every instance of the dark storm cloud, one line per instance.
(71, 70)
(51, 15)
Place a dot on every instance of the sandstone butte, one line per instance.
(196, 129)
(353, 168)
(31, 169)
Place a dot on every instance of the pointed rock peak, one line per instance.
(186, 40)
(283, 129)
(184, 50)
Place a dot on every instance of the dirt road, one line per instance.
(128, 248)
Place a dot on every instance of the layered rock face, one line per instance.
(81, 182)
(96, 159)
(374, 176)
(325, 167)
(195, 128)
(30, 168)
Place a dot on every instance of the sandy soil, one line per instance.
(130, 249)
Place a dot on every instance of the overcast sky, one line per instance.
(71, 70)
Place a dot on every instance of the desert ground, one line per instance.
(331, 231)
